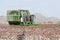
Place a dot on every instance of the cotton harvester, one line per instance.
(19, 17)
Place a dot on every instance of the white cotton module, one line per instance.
(21, 19)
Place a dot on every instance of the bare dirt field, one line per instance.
(40, 32)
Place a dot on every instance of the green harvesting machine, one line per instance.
(19, 17)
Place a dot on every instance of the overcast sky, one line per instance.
(49, 8)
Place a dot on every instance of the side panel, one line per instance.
(13, 16)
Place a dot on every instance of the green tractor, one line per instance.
(19, 17)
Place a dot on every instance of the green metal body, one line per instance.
(14, 17)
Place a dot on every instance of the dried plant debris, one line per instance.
(42, 32)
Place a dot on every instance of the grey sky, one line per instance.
(45, 7)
